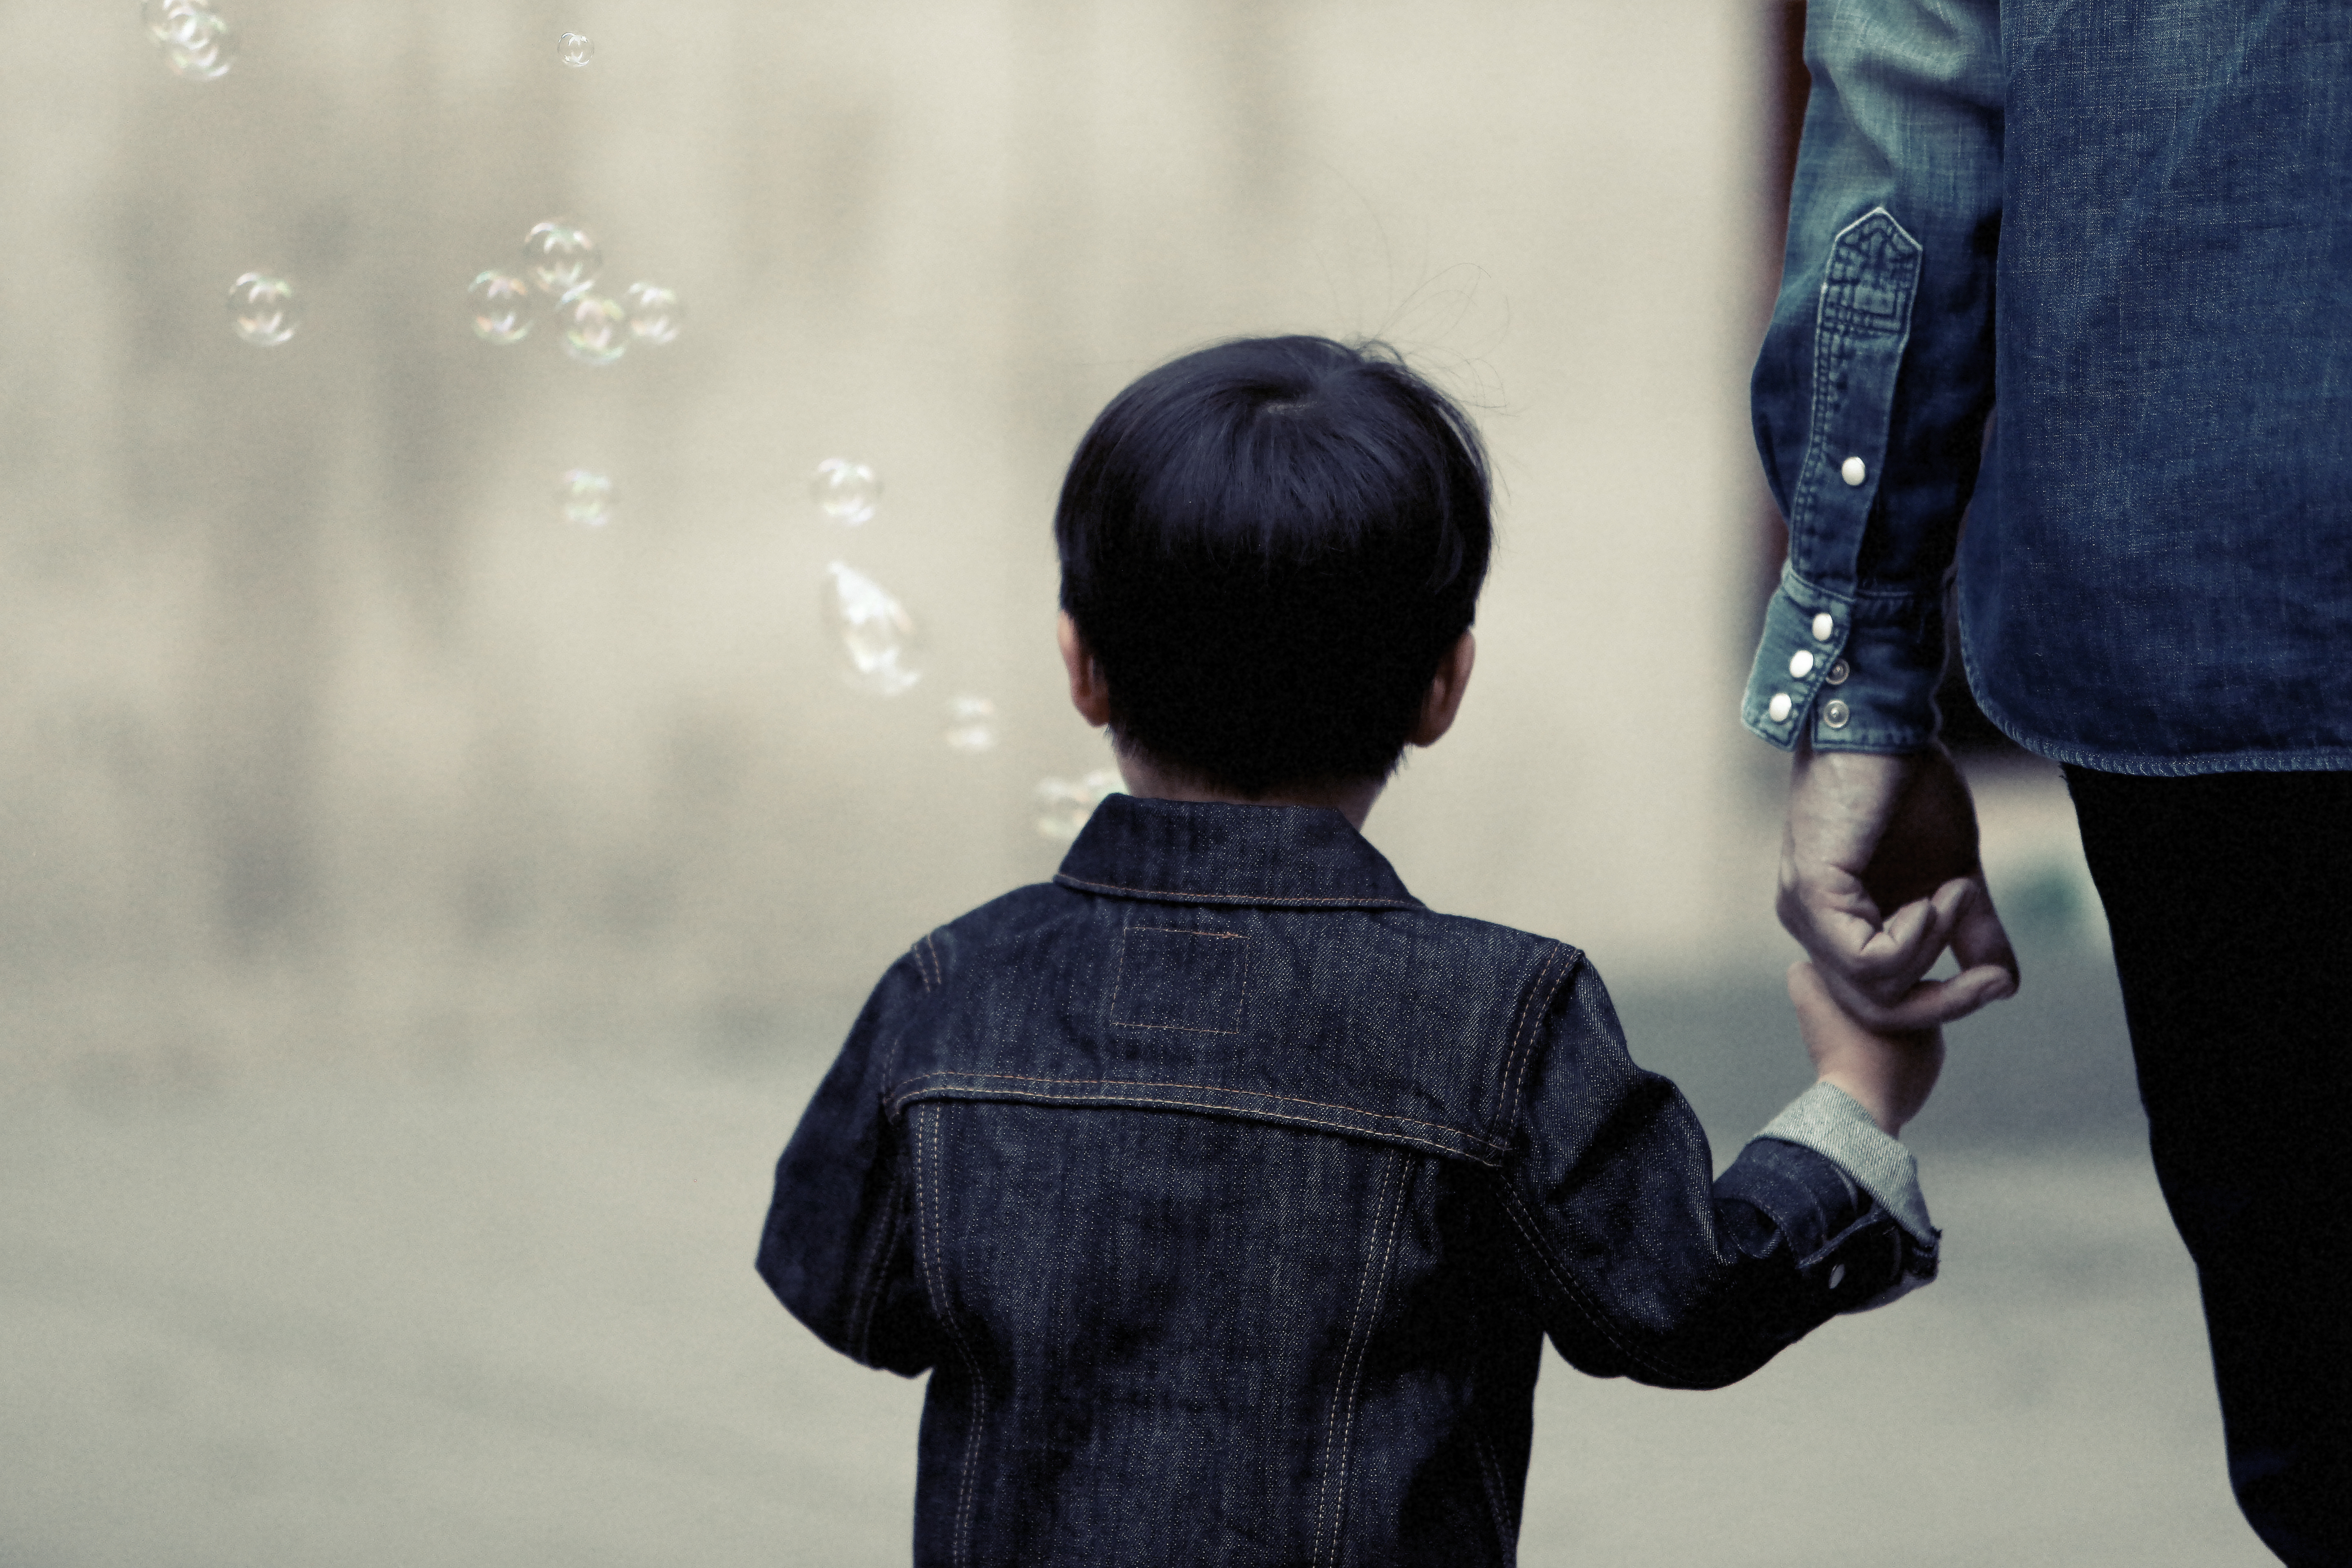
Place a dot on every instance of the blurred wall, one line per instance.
(322, 735)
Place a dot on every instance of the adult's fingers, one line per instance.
(1872, 962)
(1912, 936)
(1881, 983)
(1929, 1004)
(1980, 940)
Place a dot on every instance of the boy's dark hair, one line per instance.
(1269, 544)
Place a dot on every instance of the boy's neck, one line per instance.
(1147, 780)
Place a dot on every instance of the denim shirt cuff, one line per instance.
(1851, 673)
(1832, 1124)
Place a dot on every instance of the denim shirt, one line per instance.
(2130, 226)
(1226, 1193)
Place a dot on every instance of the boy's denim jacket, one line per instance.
(1227, 1192)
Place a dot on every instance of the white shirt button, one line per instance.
(1852, 472)
(1800, 664)
(1835, 714)
(1839, 670)
(1779, 707)
(1823, 627)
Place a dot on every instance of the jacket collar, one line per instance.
(1207, 852)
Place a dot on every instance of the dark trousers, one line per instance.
(2230, 897)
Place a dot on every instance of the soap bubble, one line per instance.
(875, 634)
(846, 492)
(174, 21)
(196, 41)
(263, 309)
(574, 49)
(595, 328)
(654, 313)
(971, 725)
(208, 61)
(1063, 806)
(561, 259)
(502, 308)
(586, 496)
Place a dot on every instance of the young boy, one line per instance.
(1226, 1191)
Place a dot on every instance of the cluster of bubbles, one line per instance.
(561, 266)
(875, 634)
(877, 637)
(263, 311)
(877, 640)
(196, 42)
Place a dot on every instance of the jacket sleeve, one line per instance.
(1641, 1266)
(836, 1247)
(1875, 378)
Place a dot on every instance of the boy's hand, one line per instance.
(1887, 1074)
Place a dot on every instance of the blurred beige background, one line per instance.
(422, 919)
(318, 722)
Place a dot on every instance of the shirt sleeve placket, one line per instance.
(1810, 638)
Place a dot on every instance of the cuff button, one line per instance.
(1800, 664)
(1835, 714)
(1838, 673)
(1852, 471)
(1778, 709)
(1824, 628)
(1837, 1275)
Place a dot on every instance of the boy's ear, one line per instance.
(1446, 689)
(1088, 694)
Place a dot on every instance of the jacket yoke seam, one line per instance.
(1069, 881)
(902, 1092)
(1278, 1116)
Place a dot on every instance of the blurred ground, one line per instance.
(509, 1315)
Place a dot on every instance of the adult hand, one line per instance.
(1869, 834)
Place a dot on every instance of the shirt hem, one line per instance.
(2314, 760)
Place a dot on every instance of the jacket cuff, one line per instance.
(1832, 1124)
(1847, 1248)
(1850, 673)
